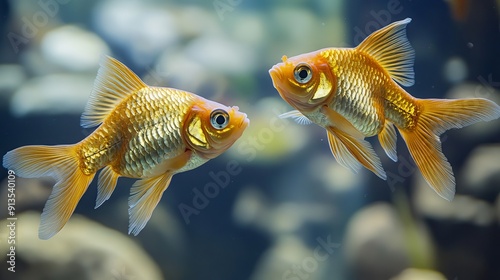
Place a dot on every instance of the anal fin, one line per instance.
(106, 184)
(387, 138)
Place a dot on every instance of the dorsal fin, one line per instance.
(114, 82)
(390, 47)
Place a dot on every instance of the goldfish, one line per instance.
(357, 92)
(143, 132)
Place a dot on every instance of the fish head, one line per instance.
(304, 81)
(211, 128)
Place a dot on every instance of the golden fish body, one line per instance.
(140, 134)
(148, 133)
(355, 93)
(366, 95)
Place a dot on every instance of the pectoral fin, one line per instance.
(297, 116)
(350, 152)
(348, 145)
(146, 193)
(343, 156)
(144, 196)
(338, 121)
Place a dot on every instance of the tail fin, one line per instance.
(61, 163)
(437, 116)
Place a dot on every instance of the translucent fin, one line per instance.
(390, 47)
(350, 151)
(387, 138)
(297, 117)
(348, 145)
(342, 154)
(437, 116)
(114, 83)
(144, 196)
(106, 184)
(61, 163)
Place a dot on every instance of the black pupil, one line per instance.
(220, 119)
(303, 73)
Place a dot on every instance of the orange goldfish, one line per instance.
(149, 133)
(354, 93)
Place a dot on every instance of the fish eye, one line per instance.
(302, 73)
(219, 119)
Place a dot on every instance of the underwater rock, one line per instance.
(455, 70)
(464, 230)
(206, 22)
(295, 38)
(253, 209)
(223, 55)
(284, 260)
(480, 175)
(205, 63)
(52, 94)
(12, 76)
(163, 238)
(497, 208)
(250, 29)
(73, 48)
(375, 243)
(335, 177)
(278, 219)
(76, 254)
(250, 205)
(419, 274)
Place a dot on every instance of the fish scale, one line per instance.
(148, 110)
(153, 110)
(353, 98)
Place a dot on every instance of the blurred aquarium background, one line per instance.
(276, 205)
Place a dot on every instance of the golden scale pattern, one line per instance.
(139, 134)
(356, 97)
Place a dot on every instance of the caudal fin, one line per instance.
(437, 116)
(61, 163)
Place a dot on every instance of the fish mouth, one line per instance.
(245, 121)
(277, 78)
(276, 75)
